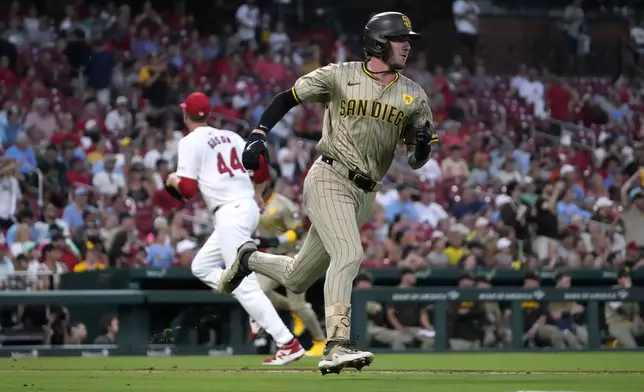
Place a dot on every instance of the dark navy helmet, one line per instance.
(381, 28)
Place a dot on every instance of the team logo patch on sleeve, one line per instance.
(408, 99)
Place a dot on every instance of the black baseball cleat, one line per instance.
(232, 276)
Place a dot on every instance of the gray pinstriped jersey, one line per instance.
(364, 121)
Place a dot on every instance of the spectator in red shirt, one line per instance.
(66, 131)
(559, 97)
(7, 76)
(77, 175)
(270, 70)
(452, 135)
(229, 67)
(90, 119)
(67, 256)
(251, 54)
(225, 107)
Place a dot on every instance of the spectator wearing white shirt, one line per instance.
(31, 23)
(51, 266)
(387, 194)
(7, 269)
(466, 19)
(278, 38)
(291, 160)
(520, 77)
(573, 24)
(70, 18)
(10, 193)
(162, 172)
(533, 91)
(108, 182)
(247, 17)
(637, 34)
(241, 99)
(119, 120)
(428, 210)
(573, 18)
(15, 34)
(158, 152)
(431, 172)
(509, 172)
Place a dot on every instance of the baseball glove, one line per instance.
(174, 193)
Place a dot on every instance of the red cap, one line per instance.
(196, 104)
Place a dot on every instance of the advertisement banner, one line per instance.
(518, 294)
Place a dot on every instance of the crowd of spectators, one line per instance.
(534, 171)
(529, 170)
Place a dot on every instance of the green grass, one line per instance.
(506, 372)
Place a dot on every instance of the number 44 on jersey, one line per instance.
(233, 163)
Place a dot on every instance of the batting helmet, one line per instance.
(381, 27)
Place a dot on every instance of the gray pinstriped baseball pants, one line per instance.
(337, 209)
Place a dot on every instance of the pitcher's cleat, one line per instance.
(232, 276)
(298, 325)
(340, 355)
(317, 349)
(290, 352)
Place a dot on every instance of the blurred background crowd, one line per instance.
(539, 165)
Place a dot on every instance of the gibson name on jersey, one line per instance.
(217, 140)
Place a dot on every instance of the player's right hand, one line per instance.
(255, 147)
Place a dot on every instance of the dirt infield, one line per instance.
(367, 371)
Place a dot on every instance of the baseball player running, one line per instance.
(280, 226)
(208, 161)
(370, 108)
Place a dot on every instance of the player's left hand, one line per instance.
(255, 147)
(423, 139)
(172, 185)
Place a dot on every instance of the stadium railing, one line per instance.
(440, 297)
(153, 320)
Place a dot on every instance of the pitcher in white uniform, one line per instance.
(209, 162)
